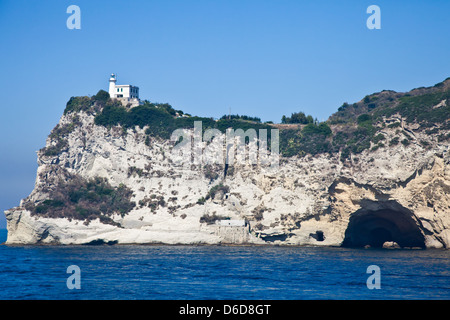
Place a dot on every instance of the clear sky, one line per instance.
(258, 57)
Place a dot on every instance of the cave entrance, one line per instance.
(375, 227)
(378, 236)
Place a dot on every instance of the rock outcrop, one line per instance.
(393, 196)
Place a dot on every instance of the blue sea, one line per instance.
(221, 272)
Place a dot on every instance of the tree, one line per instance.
(297, 117)
(101, 96)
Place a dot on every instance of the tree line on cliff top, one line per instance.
(352, 129)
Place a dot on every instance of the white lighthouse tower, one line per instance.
(112, 85)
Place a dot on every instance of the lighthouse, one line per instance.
(112, 85)
(127, 94)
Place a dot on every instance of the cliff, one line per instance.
(376, 173)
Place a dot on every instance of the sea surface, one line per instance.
(221, 272)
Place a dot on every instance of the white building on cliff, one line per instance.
(127, 94)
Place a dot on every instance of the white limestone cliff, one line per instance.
(310, 200)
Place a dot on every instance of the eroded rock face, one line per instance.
(398, 194)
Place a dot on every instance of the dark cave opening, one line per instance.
(318, 235)
(378, 236)
(375, 227)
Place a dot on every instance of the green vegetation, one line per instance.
(312, 139)
(443, 137)
(405, 142)
(364, 119)
(394, 141)
(211, 219)
(82, 199)
(377, 146)
(212, 192)
(358, 128)
(132, 171)
(421, 109)
(160, 122)
(298, 117)
(90, 104)
(77, 104)
(217, 188)
(201, 201)
(394, 125)
(60, 134)
(358, 139)
(379, 137)
(154, 202)
(211, 173)
(351, 130)
(55, 149)
(242, 117)
(102, 97)
(61, 131)
(430, 107)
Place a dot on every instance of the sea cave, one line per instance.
(368, 227)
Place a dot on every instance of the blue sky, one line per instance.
(260, 58)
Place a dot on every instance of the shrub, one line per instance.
(201, 201)
(82, 199)
(394, 125)
(210, 173)
(364, 118)
(153, 202)
(242, 117)
(102, 96)
(376, 147)
(312, 139)
(217, 188)
(345, 154)
(47, 205)
(394, 141)
(321, 129)
(258, 212)
(135, 171)
(77, 104)
(56, 149)
(444, 137)
(211, 219)
(343, 107)
(298, 117)
(420, 108)
(379, 137)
